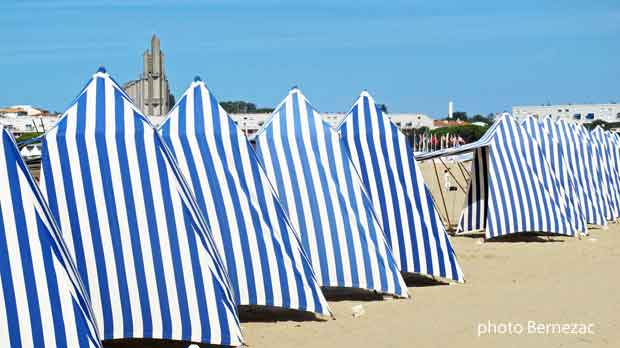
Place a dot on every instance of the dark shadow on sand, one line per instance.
(476, 235)
(351, 294)
(528, 238)
(150, 343)
(263, 314)
(413, 280)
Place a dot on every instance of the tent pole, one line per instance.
(443, 200)
(452, 175)
(466, 176)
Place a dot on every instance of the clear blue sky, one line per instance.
(412, 55)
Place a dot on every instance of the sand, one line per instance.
(559, 280)
(522, 281)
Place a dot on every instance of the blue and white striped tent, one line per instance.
(576, 153)
(609, 178)
(614, 148)
(264, 258)
(401, 200)
(324, 198)
(511, 190)
(598, 169)
(594, 168)
(131, 224)
(551, 152)
(42, 301)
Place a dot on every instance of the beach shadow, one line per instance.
(151, 343)
(350, 294)
(527, 238)
(475, 235)
(414, 280)
(265, 314)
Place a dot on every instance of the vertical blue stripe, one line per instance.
(132, 223)
(108, 192)
(153, 229)
(7, 282)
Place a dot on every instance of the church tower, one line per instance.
(151, 92)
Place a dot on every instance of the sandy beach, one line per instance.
(528, 279)
(524, 282)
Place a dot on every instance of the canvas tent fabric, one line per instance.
(614, 149)
(138, 239)
(575, 151)
(323, 196)
(597, 171)
(402, 202)
(42, 301)
(263, 256)
(551, 152)
(608, 177)
(592, 170)
(511, 190)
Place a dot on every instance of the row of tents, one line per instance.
(137, 231)
(544, 176)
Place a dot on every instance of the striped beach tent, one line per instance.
(598, 167)
(576, 152)
(614, 158)
(609, 177)
(262, 254)
(595, 169)
(140, 244)
(42, 301)
(401, 199)
(511, 189)
(551, 152)
(324, 198)
(614, 148)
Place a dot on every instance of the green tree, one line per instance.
(458, 115)
(483, 119)
(238, 107)
(469, 133)
(27, 136)
(603, 124)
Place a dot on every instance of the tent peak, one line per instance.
(101, 70)
(197, 78)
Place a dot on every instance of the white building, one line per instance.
(411, 120)
(251, 123)
(22, 110)
(582, 113)
(22, 119)
(27, 124)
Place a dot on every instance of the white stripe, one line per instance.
(98, 199)
(15, 258)
(142, 222)
(38, 264)
(189, 276)
(80, 203)
(163, 232)
(123, 221)
(4, 320)
(323, 193)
